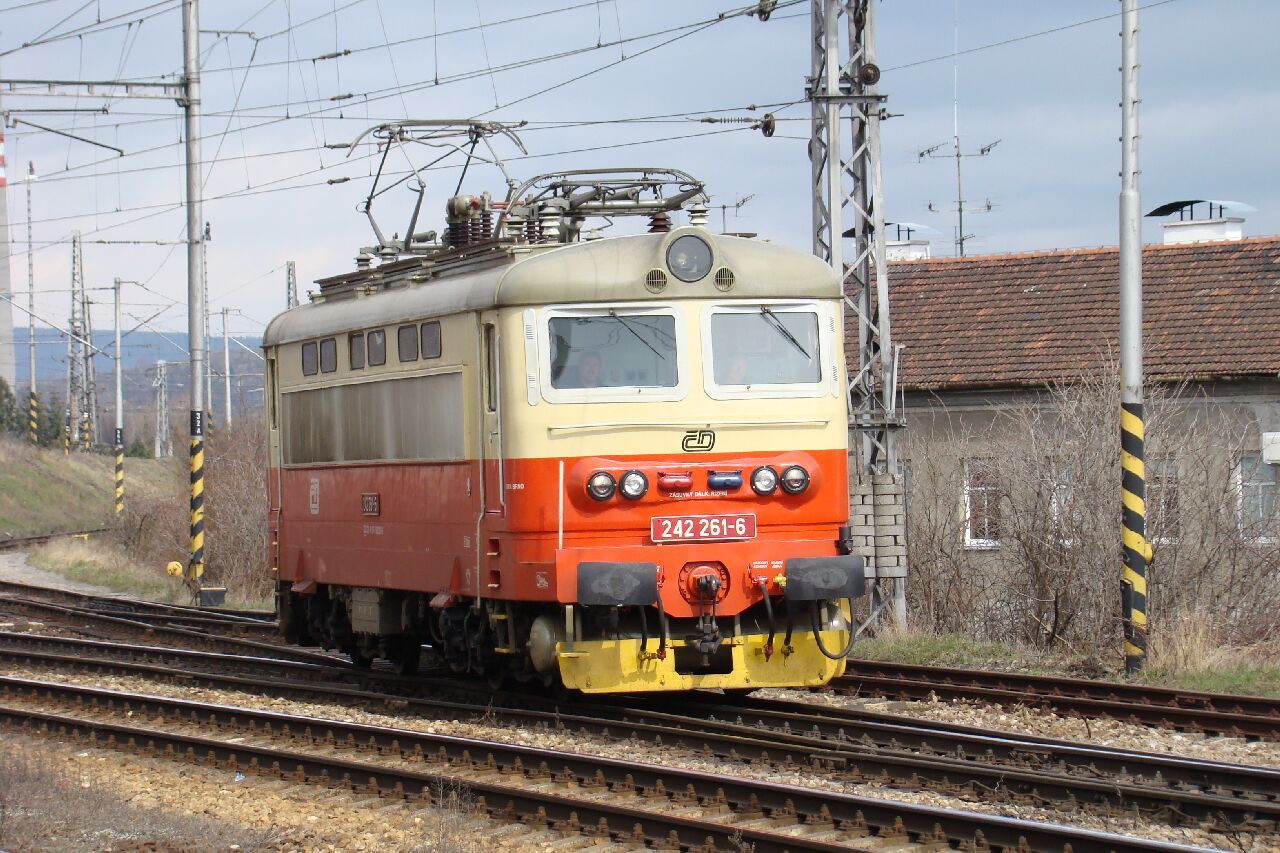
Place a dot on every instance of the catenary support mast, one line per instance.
(33, 400)
(195, 281)
(846, 178)
(119, 434)
(1136, 551)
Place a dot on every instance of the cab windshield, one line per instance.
(764, 346)
(613, 350)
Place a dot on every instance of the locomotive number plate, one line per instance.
(689, 528)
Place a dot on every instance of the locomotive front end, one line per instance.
(675, 465)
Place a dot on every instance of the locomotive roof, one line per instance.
(606, 270)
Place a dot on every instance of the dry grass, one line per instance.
(106, 564)
(44, 808)
(1191, 652)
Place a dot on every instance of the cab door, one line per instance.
(490, 413)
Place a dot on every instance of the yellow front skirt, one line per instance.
(617, 666)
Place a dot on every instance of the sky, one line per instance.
(1040, 77)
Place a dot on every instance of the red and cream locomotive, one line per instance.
(615, 463)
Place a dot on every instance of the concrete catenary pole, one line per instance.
(1136, 551)
(226, 368)
(8, 361)
(195, 281)
(33, 401)
(119, 436)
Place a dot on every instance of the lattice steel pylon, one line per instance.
(81, 404)
(846, 176)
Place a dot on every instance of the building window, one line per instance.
(431, 339)
(310, 361)
(328, 355)
(407, 343)
(355, 349)
(1162, 499)
(981, 505)
(1259, 486)
(377, 341)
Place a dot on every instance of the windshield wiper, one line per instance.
(614, 314)
(777, 324)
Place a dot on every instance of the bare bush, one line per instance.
(236, 518)
(1050, 574)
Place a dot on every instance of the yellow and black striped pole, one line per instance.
(1136, 552)
(119, 471)
(195, 568)
(33, 418)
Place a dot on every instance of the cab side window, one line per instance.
(431, 339)
(355, 345)
(328, 355)
(407, 343)
(377, 341)
(310, 361)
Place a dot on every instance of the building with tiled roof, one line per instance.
(1211, 311)
(986, 336)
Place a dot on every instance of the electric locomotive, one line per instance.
(614, 463)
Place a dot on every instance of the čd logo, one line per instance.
(698, 441)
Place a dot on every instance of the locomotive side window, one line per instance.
(310, 362)
(613, 350)
(328, 355)
(377, 340)
(355, 347)
(407, 343)
(431, 339)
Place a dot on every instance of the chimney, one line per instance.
(1217, 227)
(905, 246)
(906, 250)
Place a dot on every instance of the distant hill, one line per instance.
(142, 349)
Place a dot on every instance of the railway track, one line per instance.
(889, 752)
(1238, 716)
(219, 619)
(12, 543)
(621, 801)
(130, 626)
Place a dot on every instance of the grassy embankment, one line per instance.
(1186, 654)
(44, 491)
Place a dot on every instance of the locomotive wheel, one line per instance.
(495, 674)
(406, 659)
(360, 660)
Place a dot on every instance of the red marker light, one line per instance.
(676, 481)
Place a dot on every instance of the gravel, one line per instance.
(585, 743)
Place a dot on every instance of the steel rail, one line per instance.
(252, 618)
(1239, 716)
(827, 820)
(135, 626)
(1227, 796)
(14, 542)
(1082, 687)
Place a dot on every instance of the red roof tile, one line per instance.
(1211, 310)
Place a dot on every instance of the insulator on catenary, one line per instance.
(659, 223)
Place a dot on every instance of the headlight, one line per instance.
(764, 480)
(795, 480)
(689, 258)
(601, 485)
(837, 620)
(634, 485)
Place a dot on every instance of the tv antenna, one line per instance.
(933, 152)
(738, 204)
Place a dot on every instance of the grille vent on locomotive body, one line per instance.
(543, 213)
